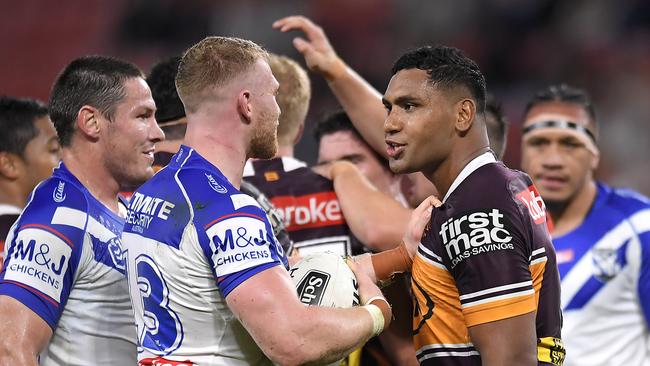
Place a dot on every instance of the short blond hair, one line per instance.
(212, 63)
(293, 97)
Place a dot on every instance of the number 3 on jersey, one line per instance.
(161, 330)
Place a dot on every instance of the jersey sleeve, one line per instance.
(235, 234)
(490, 257)
(43, 253)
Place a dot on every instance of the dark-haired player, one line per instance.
(169, 109)
(601, 234)
(317, 220)
(485, 277)
(63, 294)
(29, 150)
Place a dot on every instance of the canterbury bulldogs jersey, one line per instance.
(307, 203)
(605, 269)
(64, 261)
(486, 257)
(191, 238)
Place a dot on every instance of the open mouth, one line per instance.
(149, 154)
(394, 149)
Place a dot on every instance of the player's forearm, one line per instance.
(317, 335)
(16, 354)
(363, 105)
(348, 329)
(375, 218)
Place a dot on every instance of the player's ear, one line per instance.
(88, 121)
(244, 106)
(9, 165)
(465, 112)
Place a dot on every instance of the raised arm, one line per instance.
(375, 218)
(359, 99)
(25, 333)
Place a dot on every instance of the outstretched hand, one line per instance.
(420, 218)
(316, 48)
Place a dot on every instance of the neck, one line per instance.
(569, 215)
(223, 151)
(285, 150)
(83, 164)
(446, 172)
(12, 194)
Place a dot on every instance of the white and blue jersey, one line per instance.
(191, 238)
(605, 270)
(64, 261)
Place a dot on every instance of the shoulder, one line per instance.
(628, 205)
(56, 201)
(496, 185)
(626, 201)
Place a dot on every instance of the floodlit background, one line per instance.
(521, 46)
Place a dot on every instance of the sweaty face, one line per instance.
(345, 145)
(42, 153)
(266, 113)
(558, 161)
(420, 123)
(131, 136)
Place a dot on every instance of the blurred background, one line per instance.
(521, 46)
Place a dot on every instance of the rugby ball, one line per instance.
(324, 279)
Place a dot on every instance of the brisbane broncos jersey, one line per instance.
(64, 261)
(191, 238)
(605, 268)
(486, 256)
(307, 203)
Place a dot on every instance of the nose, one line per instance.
(156, 134)
(553, 158)
(392, 125)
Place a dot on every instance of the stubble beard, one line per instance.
(264, 144)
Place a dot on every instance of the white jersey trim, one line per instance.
(496, 289)
(9, 210)
(477, 162)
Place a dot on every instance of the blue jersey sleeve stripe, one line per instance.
(239, 214)
(32, 290)
(590, 288)
(231, 281)
(51, 230)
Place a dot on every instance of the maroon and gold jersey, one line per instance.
(487, 256)
(307, 203)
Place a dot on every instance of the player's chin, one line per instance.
(400, 166)
(142, 175)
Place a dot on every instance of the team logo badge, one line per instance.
(58, 195)
(215, 185)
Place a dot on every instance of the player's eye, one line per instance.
(572, 144)
(537, 142)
